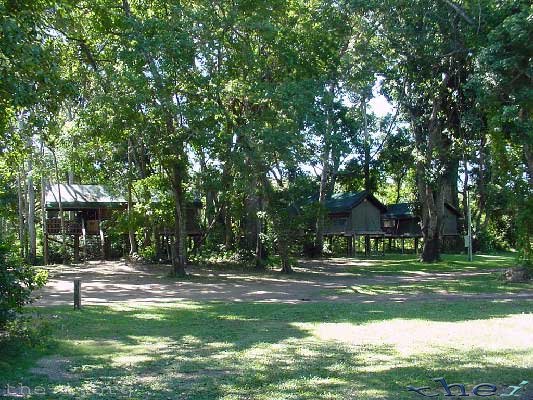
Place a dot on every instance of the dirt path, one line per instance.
(117, 281)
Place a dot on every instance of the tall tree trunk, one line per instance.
(61, 213)
(259, 250)
(450, 182)
(22, 223)
(368, 185)
(319, 238)
(228, 228)
(399, 180)
(131, 231)
(430, 189)
(528, 154)
(179, 259)
(431, 223)
(334, 169)
(251, 223)
(137, 157)
(44, 221)
(325, 160)
(43, 207)
(482, 186)
(32, 237)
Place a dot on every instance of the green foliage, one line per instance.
(17, 282)
(148, 253)
(20, 334)
(502, 84)
(234, 102)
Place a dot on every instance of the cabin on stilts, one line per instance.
(192, 226)
(402, 222)
(86, 208)
(355, 216)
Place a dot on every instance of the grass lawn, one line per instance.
(490, 283)
(408, 264)
(454, 274)
(275, 351)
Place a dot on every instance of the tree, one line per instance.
(427, 63)
(503, 85)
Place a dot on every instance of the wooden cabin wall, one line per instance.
(366, 217)
(409, 226)
(335, 225)
(449, 223)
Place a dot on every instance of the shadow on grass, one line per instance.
(220, 350)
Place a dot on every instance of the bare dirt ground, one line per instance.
(315, 280)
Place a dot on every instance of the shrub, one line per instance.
(17, 281)
(148, 254)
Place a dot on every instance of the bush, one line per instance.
(148, 254)
(17, 281)
(24, 332)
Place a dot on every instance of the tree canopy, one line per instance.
(253, 107)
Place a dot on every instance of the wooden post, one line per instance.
(416, 245)
(84, 238)
(347, 247)
(102, 238)
(77, 294)
(403, 245)
(76, 248)
(44, 223)
(349, 244)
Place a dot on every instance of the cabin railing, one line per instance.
(53, 227)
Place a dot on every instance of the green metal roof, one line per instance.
(81, 197)
(409, 210)
(400, 210)
(344, 202)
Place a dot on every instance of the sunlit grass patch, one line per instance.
(409, 264)
(477, 284)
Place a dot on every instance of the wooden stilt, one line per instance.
(77, 294)
(102, 244)
(107, 248)
(347, 247)
(84, 239)
(76, 248)
(46, 253)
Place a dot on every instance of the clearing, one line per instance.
(234, 335)
(334, 279)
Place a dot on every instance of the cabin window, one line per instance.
(91, 214)
(388, 223)
(53, 214)
(338, 222)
